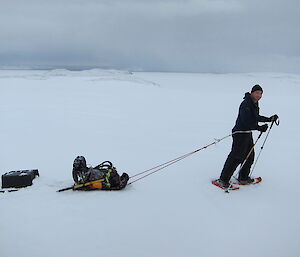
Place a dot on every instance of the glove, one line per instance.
(274, 117)
(262, 128)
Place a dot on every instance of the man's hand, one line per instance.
(262, 128)
(274, 117)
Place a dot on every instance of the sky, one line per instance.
(217, 36)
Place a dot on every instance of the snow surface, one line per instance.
(139, 120)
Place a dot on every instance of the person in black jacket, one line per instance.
(246, 121)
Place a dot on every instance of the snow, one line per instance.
(139, 120)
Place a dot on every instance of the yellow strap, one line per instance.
(107, 176)
(87, 183)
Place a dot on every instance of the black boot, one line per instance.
(80, 169)
(246, 181)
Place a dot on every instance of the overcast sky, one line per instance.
(152, 35)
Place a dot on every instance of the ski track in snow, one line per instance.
(50, 117)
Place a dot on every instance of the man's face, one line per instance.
(256, 95)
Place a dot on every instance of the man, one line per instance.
(247, 120)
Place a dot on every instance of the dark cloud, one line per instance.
(195, 35)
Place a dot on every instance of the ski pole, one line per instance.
(251, 150)
(262, 147)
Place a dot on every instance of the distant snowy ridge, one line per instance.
(92, 75)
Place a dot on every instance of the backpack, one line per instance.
(106, 171)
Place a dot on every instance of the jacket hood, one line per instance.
(249, 99)
(247, 95)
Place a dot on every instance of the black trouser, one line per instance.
(241, 146)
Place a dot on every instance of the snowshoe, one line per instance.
(248, 181)
(225, 186)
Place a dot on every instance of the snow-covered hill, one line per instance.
(139, 120)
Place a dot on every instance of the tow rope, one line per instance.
(171, 162)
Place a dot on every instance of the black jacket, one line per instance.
(248, 116)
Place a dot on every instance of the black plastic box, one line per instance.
(19, 178)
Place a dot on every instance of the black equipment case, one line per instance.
(19, 178)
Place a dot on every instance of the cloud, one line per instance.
(171, 35)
